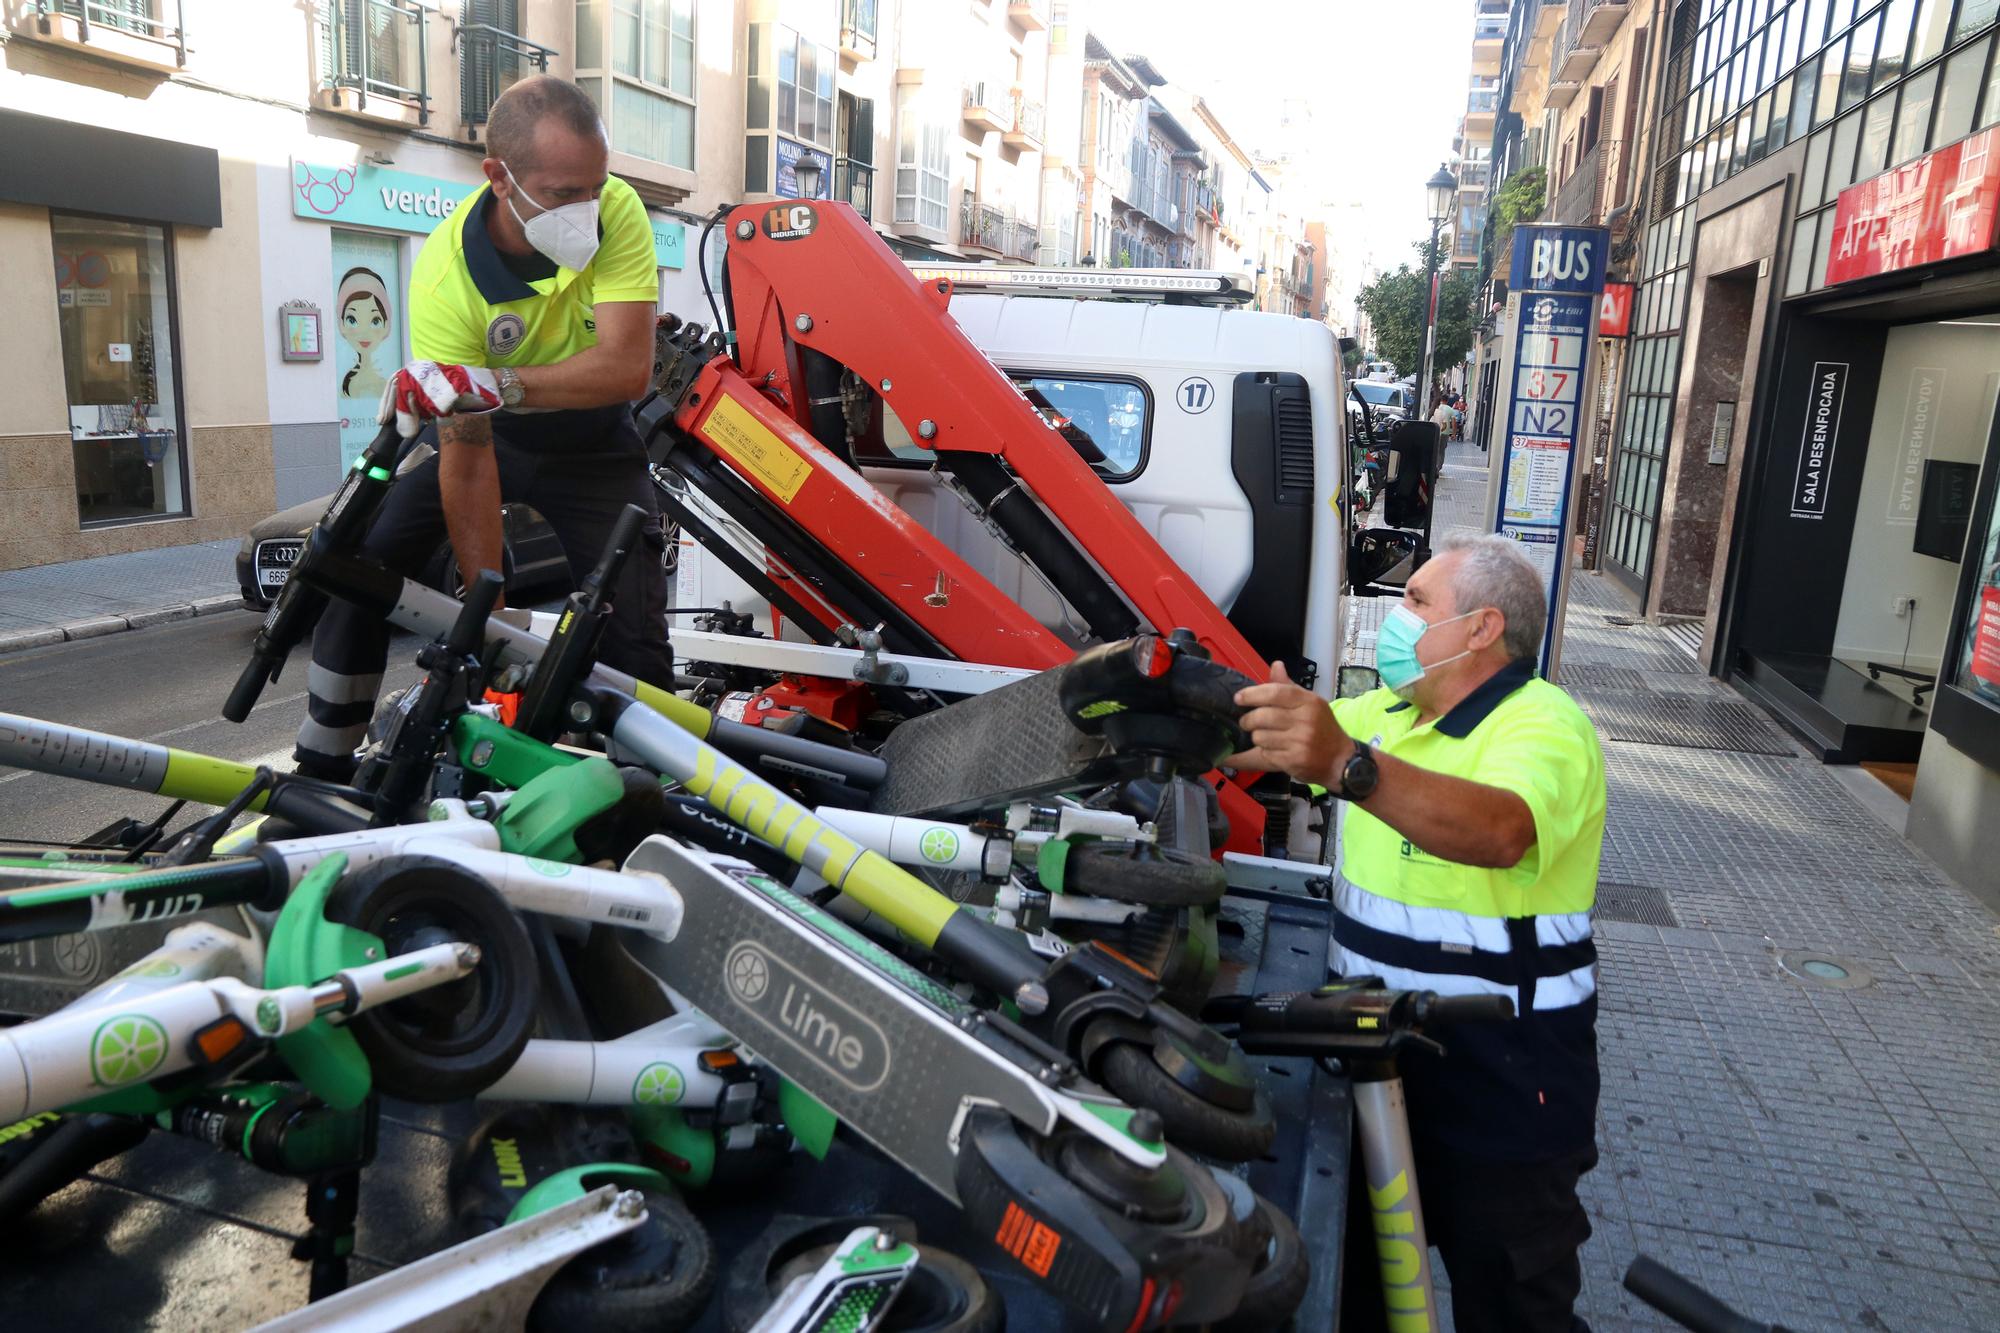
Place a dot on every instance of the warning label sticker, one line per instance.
(757, 449)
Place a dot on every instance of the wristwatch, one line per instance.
(512, 391)
(1359, 774)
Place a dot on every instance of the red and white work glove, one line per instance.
(423, 390)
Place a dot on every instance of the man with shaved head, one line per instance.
(531, 325)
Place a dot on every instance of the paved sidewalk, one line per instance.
(83, 598)
(1819, 1150)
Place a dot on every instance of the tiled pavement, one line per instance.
(45, 604)
(1817, 1156)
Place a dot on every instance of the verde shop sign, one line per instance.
(370, 196)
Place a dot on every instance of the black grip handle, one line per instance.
(624, 536)
(249, 684)
(468, 631)
(1471, 1009)
(1683, 1302)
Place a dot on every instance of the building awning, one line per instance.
(43, 161)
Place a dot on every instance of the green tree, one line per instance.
(1394, 304)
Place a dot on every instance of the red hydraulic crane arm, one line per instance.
(816, 275)
(926, 579)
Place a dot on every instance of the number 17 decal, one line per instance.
(1194, 395)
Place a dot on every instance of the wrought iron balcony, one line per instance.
(1030, 14)
(989, 105)
(1024, 241)
(489, 60)
(857, 29)
(107, 28)
(1030, 125)
(1591, 190)
(370, 55)
(984, 226)
(855, 183)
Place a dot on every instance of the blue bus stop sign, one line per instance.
(1555, 278)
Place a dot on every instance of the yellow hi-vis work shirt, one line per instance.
(468, 307)
(1526, 1089)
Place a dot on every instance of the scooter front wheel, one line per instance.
(454, 1040)
(1193, 1122)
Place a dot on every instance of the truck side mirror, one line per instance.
(1382, 555)
(1356, 681)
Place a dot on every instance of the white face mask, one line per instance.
(567, 235)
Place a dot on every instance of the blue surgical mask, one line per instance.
(1396, 648)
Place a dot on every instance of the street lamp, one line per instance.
(1439, 192)
(806, 172)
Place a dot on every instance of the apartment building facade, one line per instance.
(1803, 461)
(213, 207)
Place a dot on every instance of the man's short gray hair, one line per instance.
(1494, 571)
(520, 111)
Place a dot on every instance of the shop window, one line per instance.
(1979, 659)
(1958, 93)
(1876, 123)
(1860, 63)
(1895, 42)
(114, 306)
(1989, 104)
(1840, 166)
(1913, 117)
(1821, 251)
(923, 163)
(1830, 67)
(1973, 16)
(649, 103)
(1799, 265)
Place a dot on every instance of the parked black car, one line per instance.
(535, 565)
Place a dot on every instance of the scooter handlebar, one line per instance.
(1471, 1009)
(249, 684)
(1683, 1302)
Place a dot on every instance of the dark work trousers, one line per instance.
(579, 492)
(1508, 1234)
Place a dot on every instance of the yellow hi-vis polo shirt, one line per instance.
(1515, 732)
(468, 308)
(1524, 1090)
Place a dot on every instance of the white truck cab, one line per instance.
(1221, 428)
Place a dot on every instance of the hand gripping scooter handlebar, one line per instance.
(300, 603)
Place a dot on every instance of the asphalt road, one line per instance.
(164, 684)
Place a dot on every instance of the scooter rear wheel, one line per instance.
(655, 1279)
(454, 1040)
(1194, 1123)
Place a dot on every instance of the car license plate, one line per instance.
(274, 562)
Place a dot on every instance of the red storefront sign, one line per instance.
(1986, 638)
(1940, 206)
(1614, 312)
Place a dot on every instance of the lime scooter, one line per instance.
(1153, 695)
(1192, 1247)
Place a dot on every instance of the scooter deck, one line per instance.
(1009, 744)
(894, 1055)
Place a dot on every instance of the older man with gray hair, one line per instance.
(1469, 867)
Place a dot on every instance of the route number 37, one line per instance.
(1546, 384)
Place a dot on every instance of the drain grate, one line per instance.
(1590, 676)
(1640, 904)
(1687, 722)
